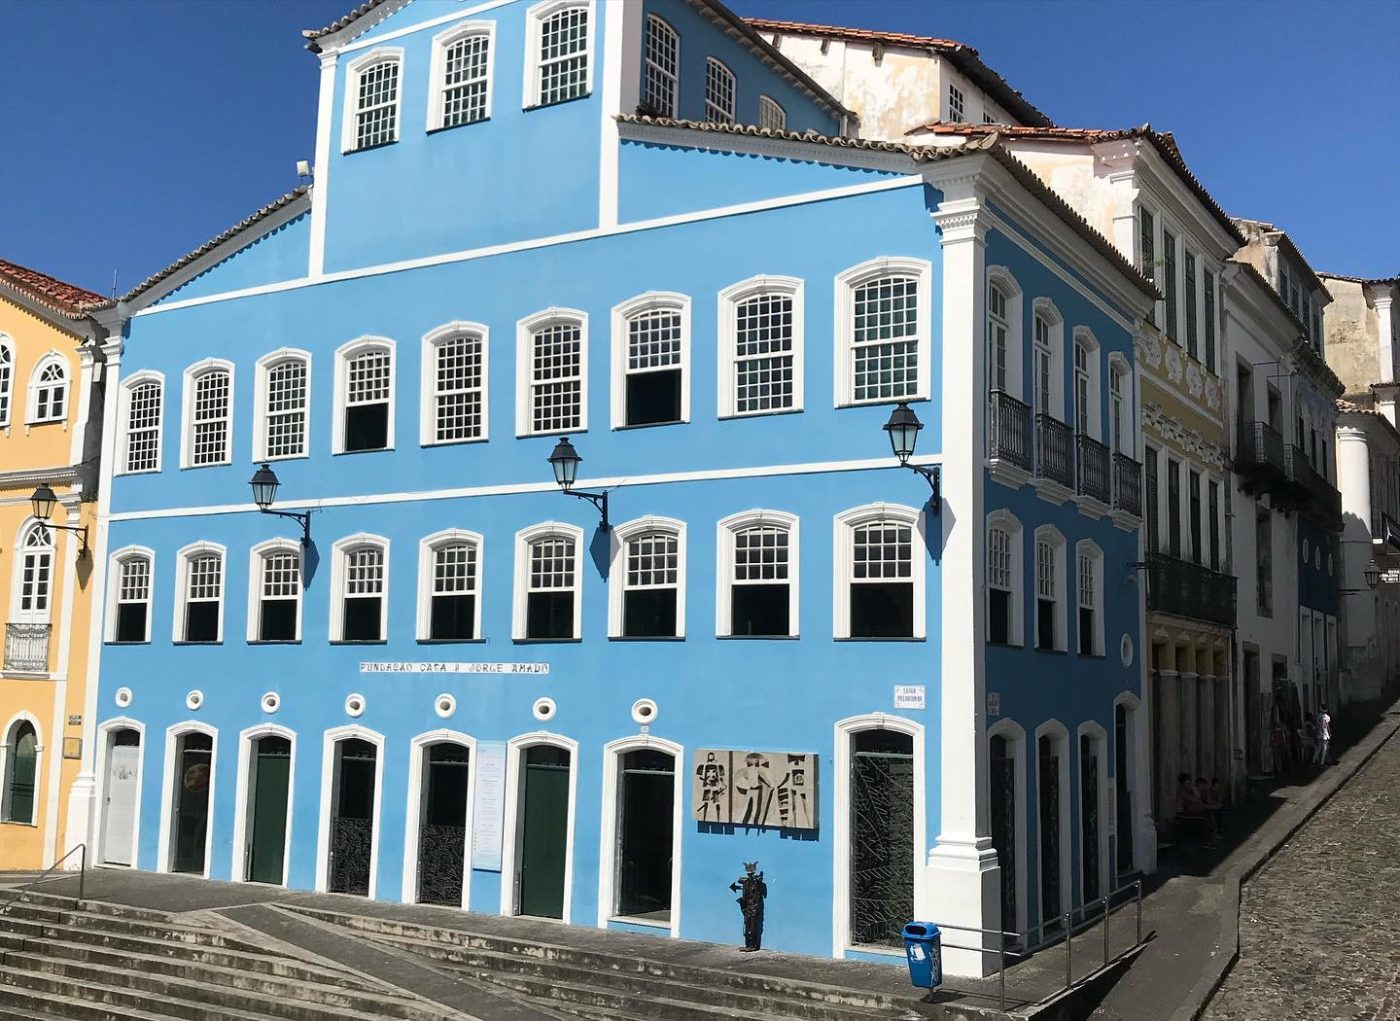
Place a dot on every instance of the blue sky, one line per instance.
(134, 130)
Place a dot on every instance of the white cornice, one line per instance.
(761, 145)
(1166, 187)
(23, 478)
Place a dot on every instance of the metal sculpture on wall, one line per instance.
(751, 890)
(754, 788)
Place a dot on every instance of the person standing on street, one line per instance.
(1324, 735)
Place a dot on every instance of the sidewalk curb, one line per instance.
(1260, 848)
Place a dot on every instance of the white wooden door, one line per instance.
(119, 823)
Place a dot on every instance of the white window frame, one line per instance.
(771, 115)
(257, 564)
(428, 392)
(437, 85)
(1087, 549)
(182, 588)
(618, 539)
(524, 540)
(525, 331)
(846, 284)
(730, 299)
(31, 416)
(427, 553)
(621, 315)
(1085, 340)
(8, 367)
(261, 373)
(726, 532)
(843, 545)
(535, 18)
(957, 104)
(351, 97)
(717, 77)
(1044, 308)
(128, 388)
(343, 356)
(1016, 610)
(193, 374)
(1118, 367)
(117, 561)
(1059, 641)
(650, 68)
(49, 539)
(1001, 278)
(339, 551)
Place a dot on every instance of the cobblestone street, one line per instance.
(1319, 929)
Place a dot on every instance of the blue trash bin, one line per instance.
(923, 949)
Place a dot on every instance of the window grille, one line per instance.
(999, 558)
(203, 592)
(133, 599)
(662, 53)
(550, 589)
(281, 596)
(286, 409)
(51, 394)
(563, 66)
(376, 114)
(955, 105)
(764, 354)
(997, 329)
(653, 370)
(882, 571)
(36, 572)
(368, 382)
(459, 389)
(465, 81)
(210, 418)
(771, 115)
(143, 427)
(7, 377)
(886, 338)
(1081, 388)
(719, 92)
(650, 585)
(453, 610)
(1044, 359)
(556, 387)
(363, 595)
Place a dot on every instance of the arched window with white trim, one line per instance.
(360, 589)
(143, 401)
(660, 67)
(48, 391)
(771, 115)
(208, 414)
(282, 405)
(1050, 617)
(463, 58)
(548, 583)
(1005, 579)
(199, 591)
(757, 590)
(7, 379)
(449, 587)
(651, 360)
(879, 573)
(129, 595)
(373, 98)
(646, 594)
(719, 92)
(761, 346)
(21, 776)
(551, 364)
(1120, 406)
(33, 583)
(1047, 346)
(275, 591)
(558, 52)
(1088, 560)
(1087, 419)
(454, 390)
(884, 331)
(364, 396)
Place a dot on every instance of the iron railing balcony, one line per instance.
(1260, 459)
(1091, 468)
(1009, 430)
(1127, 484)
(1053, 440)
(1190, 590)
(1316, 496)
(27, 648)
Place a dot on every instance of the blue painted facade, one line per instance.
(530, 179)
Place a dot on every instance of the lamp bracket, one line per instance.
(598, 500)
(79, 530)
(304, 518)
(935, 483)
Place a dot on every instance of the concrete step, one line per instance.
(37, 919)
(93, 1001)
(34, 1005)
(223, 988)
(655, 1006)
(94, 906)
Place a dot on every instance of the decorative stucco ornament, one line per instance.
(1193, 379)
(1174, 365)
(1212, 394)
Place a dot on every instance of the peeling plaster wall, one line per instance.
(1353, 345)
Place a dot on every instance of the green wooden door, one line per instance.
(20, 791)
(544, 837)
(267, 843)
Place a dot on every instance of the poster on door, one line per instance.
(489, 812)
(754, 788)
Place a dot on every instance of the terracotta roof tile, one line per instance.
(66, 299)
(343, 21)
(1361, 280)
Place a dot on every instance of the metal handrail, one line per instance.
(29, 886)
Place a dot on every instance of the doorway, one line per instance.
(544, 832)
(1255, 727)
(882, 836)
(442, 831)
(1048, 787)
(645, 849)
(269, 783)
(122, 790)
(1004, 811)
(1089, 819)
(352, 820)
(1122, 789)
(21, 771)
(194, 760)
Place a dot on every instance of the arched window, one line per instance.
(7, 379)
(1086, 384)
(548, 583)
(1050, 618)
(771, 115)
(761, 346)
(48, 390)
(649, 564)
(1048, 387)
(883, 329)
(662, 60)
(283, 402)
(1089, 586)
(651, 360)
(758, 576)
(1120, 406)
(1005, 580)
(552, 368)
(373, 94)
(560, 42)
(360, 586)
(275, 592)
(364, 418)
(144, 396)
(21, 773)
(454, 384)
(208, 414)
(129, 596)
(879, 567)
(719, 92)
(462, 66)
(449, 587)
(34, 581)
(199, 588)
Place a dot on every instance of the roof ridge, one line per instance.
(58, 295)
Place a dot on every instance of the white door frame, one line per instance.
(607, 858)
(1059, 736)
(1015, 736)
(173, 733)
(844, 735)
(1132, 709)
(1096, 733)
(245, 797)
(513, 827)
(329, 784)
(417, 797)
(106, 733)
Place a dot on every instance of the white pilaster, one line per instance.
(1387, 343)
(1354, 480)
(621, 67)
(321, 170)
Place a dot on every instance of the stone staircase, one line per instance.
(602, 985)
(94, 961)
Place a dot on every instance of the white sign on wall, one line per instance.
(910, 696)
(454, 668)
(993, 703)
(489, 812)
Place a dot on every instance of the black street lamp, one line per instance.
(264, 483)
(564, 460)
(1372, 574)
(903, 429)
(42, 503)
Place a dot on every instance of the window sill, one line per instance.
(368, 450)
(1053, 652)
(368, 148)
(137, 471)
(453, 127)
(908, 638)
(731, 415)
(451, 641)
(558, 102)
(207, 464)
(15, 822)
(646, 638)
(1006, 645)
(530, 434)
(274, 641)
(266, 458)
(547, 641)
(650, 425)
(143, 641)
(1093, 655)
(197, 644)
(359, 641)
(452, 443)
(758, 638)
(876, 402)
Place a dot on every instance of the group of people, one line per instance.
(1302, 740)
(1200, 807)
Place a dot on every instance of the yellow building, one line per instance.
(50, 434)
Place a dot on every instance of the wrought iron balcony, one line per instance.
(1260, 458)
(1008, 430)
(1091, 467)
(1127, 484)
(1053, 440)
(27, 648)
(1315, 495)
(1189, 590)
